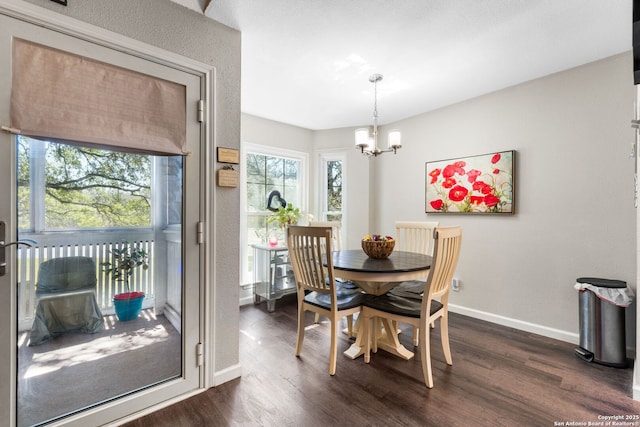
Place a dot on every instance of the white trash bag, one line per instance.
(620, 296)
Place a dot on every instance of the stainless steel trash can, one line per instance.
(602, 325)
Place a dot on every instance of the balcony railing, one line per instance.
(94, 245)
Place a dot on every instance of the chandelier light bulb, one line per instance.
(395, 139)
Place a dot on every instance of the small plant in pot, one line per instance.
(285, 216)
(124, 260)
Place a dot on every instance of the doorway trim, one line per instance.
(40, 16)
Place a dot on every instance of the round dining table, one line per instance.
(376, 277)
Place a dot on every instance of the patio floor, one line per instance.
(76, 370)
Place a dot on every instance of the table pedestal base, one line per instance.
(386, 337)
(389, 342)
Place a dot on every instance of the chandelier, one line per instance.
(368, 143)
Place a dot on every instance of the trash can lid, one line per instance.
(602, 283)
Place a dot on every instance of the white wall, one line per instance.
(257, 130)
(574, 193)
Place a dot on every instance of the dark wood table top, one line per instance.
(398, 262)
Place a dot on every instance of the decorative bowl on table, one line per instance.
(377, 246)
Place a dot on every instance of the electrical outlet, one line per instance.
(455, 284)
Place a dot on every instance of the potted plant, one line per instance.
(124, 260)
(285, 216)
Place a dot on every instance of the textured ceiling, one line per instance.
(307, 62)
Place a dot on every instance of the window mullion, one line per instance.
(38, 184)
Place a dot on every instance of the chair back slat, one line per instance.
(308, 248)
(448, 241)
(336, 229)
(415, 236)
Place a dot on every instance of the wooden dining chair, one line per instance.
(336, 230)
(420, 313)
(318, 292)
(414, 236)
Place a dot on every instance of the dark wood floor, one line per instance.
(500, 377)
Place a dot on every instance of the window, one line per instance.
(268, 169)
(68, 187)
(331, 203)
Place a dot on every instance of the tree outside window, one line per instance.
(333, 208)
(81, 187)
(265, 174)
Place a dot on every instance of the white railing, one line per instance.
(94, 245)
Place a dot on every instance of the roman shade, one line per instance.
(60, 96)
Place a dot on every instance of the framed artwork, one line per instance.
(478, 184)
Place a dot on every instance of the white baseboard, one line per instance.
(558, 334)
(226, 375)
(570, 337)
(173, 317)
(246, 300)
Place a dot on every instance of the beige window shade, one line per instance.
(60, 96)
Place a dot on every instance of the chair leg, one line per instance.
(300, 330)
(317, 318)
(425, 354)
(375, 332)
(334, 346)
(350, 325)
(365, 324)
(416, 334)
(444, 337)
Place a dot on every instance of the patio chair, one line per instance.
(66, 299)
(309, 247)
(420, 313)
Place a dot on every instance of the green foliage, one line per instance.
(284, 216)
(334, 185)
(85, 187)
(124, 260)
(267, 173)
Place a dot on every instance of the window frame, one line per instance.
(246, 276)
(325, 157)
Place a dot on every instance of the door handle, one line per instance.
(3, 245)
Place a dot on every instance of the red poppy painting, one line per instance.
(477, 184)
